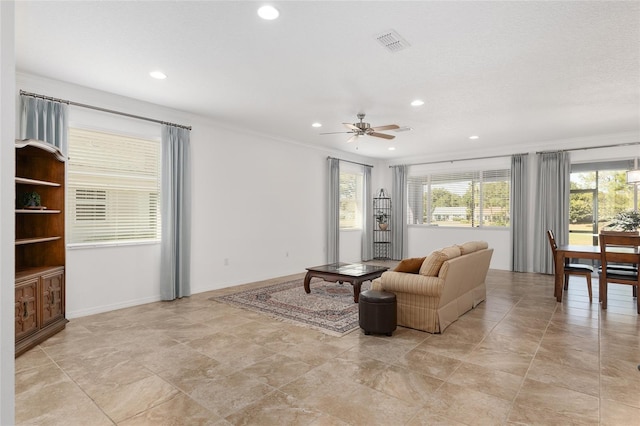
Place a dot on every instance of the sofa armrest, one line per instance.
(402, 282)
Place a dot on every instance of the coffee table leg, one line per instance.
(356, 290)
(307, 279)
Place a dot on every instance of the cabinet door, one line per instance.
(26, 304)
(52, 297)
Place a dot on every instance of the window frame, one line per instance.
(435, 179)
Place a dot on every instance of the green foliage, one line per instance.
(625, 221)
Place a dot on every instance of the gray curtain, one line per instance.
(519, 211)
(333, 211)
(44, 120)
(552, 207)
(367, 215)
(176, 207)
(398, 222)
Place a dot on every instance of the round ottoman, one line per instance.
(377, 312)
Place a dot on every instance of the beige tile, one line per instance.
(276, 408)
(353, 406)
(574, 358)
(133, 398)
(576, 405)
(620, 381)
(613, 413)
(98, 375)
(468, 406)
(429, 363)
(501, 360)
(482, 379)
(197, 361)
(229, 394)
(179, 410)
(277, 370)
(544, 416)
(577, 379)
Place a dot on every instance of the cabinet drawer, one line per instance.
(26, 308)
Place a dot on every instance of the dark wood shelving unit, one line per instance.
(39, 245)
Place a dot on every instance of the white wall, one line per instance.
(258, 208)
(7, 189)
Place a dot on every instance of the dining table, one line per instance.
(574, 251)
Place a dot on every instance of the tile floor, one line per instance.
(519, 358)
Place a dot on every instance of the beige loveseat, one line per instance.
(448, 283)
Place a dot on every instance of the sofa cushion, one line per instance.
(451, 252)
(432, 263)
(472, 246)
(411, 265)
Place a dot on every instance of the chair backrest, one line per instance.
(619, 248)
(552, 242)
(603, 232)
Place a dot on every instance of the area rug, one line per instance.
(328, 308)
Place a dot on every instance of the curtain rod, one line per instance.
(35, 95)
(352, 162)
(590, 147)
(461, 159)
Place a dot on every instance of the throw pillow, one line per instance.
(411, 265)
(431, 265)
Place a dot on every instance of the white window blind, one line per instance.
(351, 200)
(466, 199)
(113, 188)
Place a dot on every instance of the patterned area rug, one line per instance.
(328, 308)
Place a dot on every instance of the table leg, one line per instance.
(356, 290)
(307, 279)
(559, 274)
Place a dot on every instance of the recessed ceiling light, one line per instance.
(268, 12)
(417, 102)
(316, 125)
(474, 137)
(392, 148)
(158, 74)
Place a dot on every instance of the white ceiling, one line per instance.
(514, 73)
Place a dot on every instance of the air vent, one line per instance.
(404, 129)
(392, 41)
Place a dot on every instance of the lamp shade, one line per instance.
(633, 176)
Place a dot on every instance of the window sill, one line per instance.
(80, 246)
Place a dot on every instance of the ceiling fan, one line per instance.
(362, 128)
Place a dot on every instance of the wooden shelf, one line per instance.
(37, 271)
(36, 211)
(27, 181)
(35, 240)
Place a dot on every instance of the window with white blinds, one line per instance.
(113, 188)
(466, 199)
(351, 200)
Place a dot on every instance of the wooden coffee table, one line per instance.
(354, 273)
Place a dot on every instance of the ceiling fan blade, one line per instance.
(352, 138)
(387, 127)
(333, 133)
(381, 135)
(351, 126)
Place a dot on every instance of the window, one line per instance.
(468, 199)
(598, 192)
(113, 188)
(350, 200)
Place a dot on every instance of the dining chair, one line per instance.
(612, 251)
(621, 266)
(571, 268)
